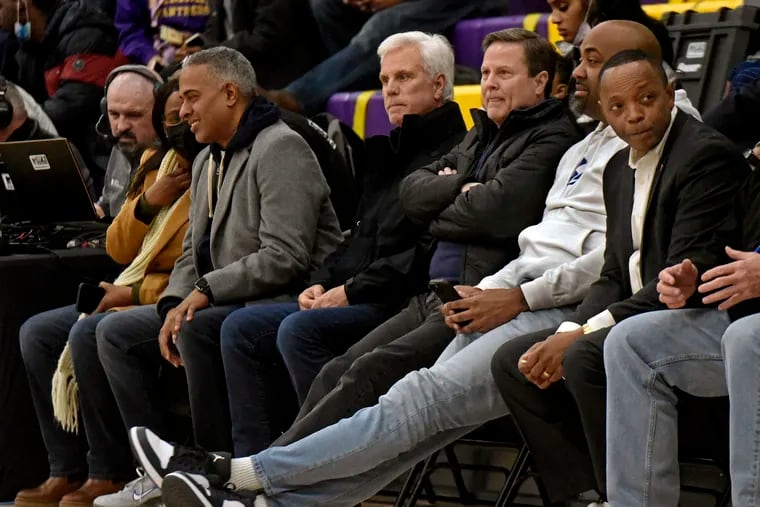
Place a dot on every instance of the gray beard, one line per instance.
(577, 106)
(134, 153)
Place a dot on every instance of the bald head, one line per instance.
(603, 42)
(619, 35)
(130, 106)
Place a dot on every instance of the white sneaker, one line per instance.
(599, 504)
(141, 491)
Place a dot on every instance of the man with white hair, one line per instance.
(378, 268)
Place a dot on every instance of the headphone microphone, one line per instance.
(103, 129)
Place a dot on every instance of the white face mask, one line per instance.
(23, 31)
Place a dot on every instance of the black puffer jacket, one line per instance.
(516, 177)
(386, 258)
(66, 73)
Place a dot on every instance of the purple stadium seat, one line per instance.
(342, 105)
(468, 34)
(377, 119)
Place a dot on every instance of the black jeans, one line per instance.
(128, 350)
(42, 340)
(563, 425)
(411, 340)
(200, 349)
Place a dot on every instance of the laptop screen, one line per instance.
(40, 183)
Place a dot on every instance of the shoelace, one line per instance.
(194, 460)
(189, 459)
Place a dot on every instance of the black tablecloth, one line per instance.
(30, 284)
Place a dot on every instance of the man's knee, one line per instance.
(582, 362)
(742, 338)
(617, 346)
(35, 335)
(293, 331)
(29, 335)
(233, 334)
(506, 360)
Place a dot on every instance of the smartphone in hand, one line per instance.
(89, 297)
(444, 290)
(446, 293)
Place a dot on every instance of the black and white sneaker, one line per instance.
(160, 458)
(190, 490)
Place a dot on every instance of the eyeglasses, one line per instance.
(172, 119)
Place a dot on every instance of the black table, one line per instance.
(30, 284)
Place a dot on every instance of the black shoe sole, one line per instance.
(144, 454)
(181, 491)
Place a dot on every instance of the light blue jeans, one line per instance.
(351, 460)
(702, 353)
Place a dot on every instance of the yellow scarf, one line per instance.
(65, 391)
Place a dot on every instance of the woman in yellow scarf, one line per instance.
(146, 237)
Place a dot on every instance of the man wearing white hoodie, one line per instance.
(347, 462)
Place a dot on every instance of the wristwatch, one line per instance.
(751, 159)
(202, 286)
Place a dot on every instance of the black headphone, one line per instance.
(6, 108)
(103, 127)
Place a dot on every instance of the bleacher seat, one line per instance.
(364, 111)
(468, 34)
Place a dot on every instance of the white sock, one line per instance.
(261, 501)
(243, 476)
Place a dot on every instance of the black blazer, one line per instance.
(691, 214)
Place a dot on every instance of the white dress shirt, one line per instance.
(645, 166)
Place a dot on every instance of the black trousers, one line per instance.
(411, 340)
(563, 425)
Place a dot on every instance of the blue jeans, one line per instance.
(649, 355)
(42, 339)
(351, 460)
(255, 341)
(352, 39)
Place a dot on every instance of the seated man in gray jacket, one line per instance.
(260, 221)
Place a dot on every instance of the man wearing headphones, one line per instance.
(126, 122)
(16, 123)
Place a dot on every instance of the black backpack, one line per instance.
(339, 151)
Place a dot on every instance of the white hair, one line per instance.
(436, 52)
(227, 65)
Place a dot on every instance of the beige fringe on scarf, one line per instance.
(65, 392)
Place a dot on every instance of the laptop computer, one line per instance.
(40, 183)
